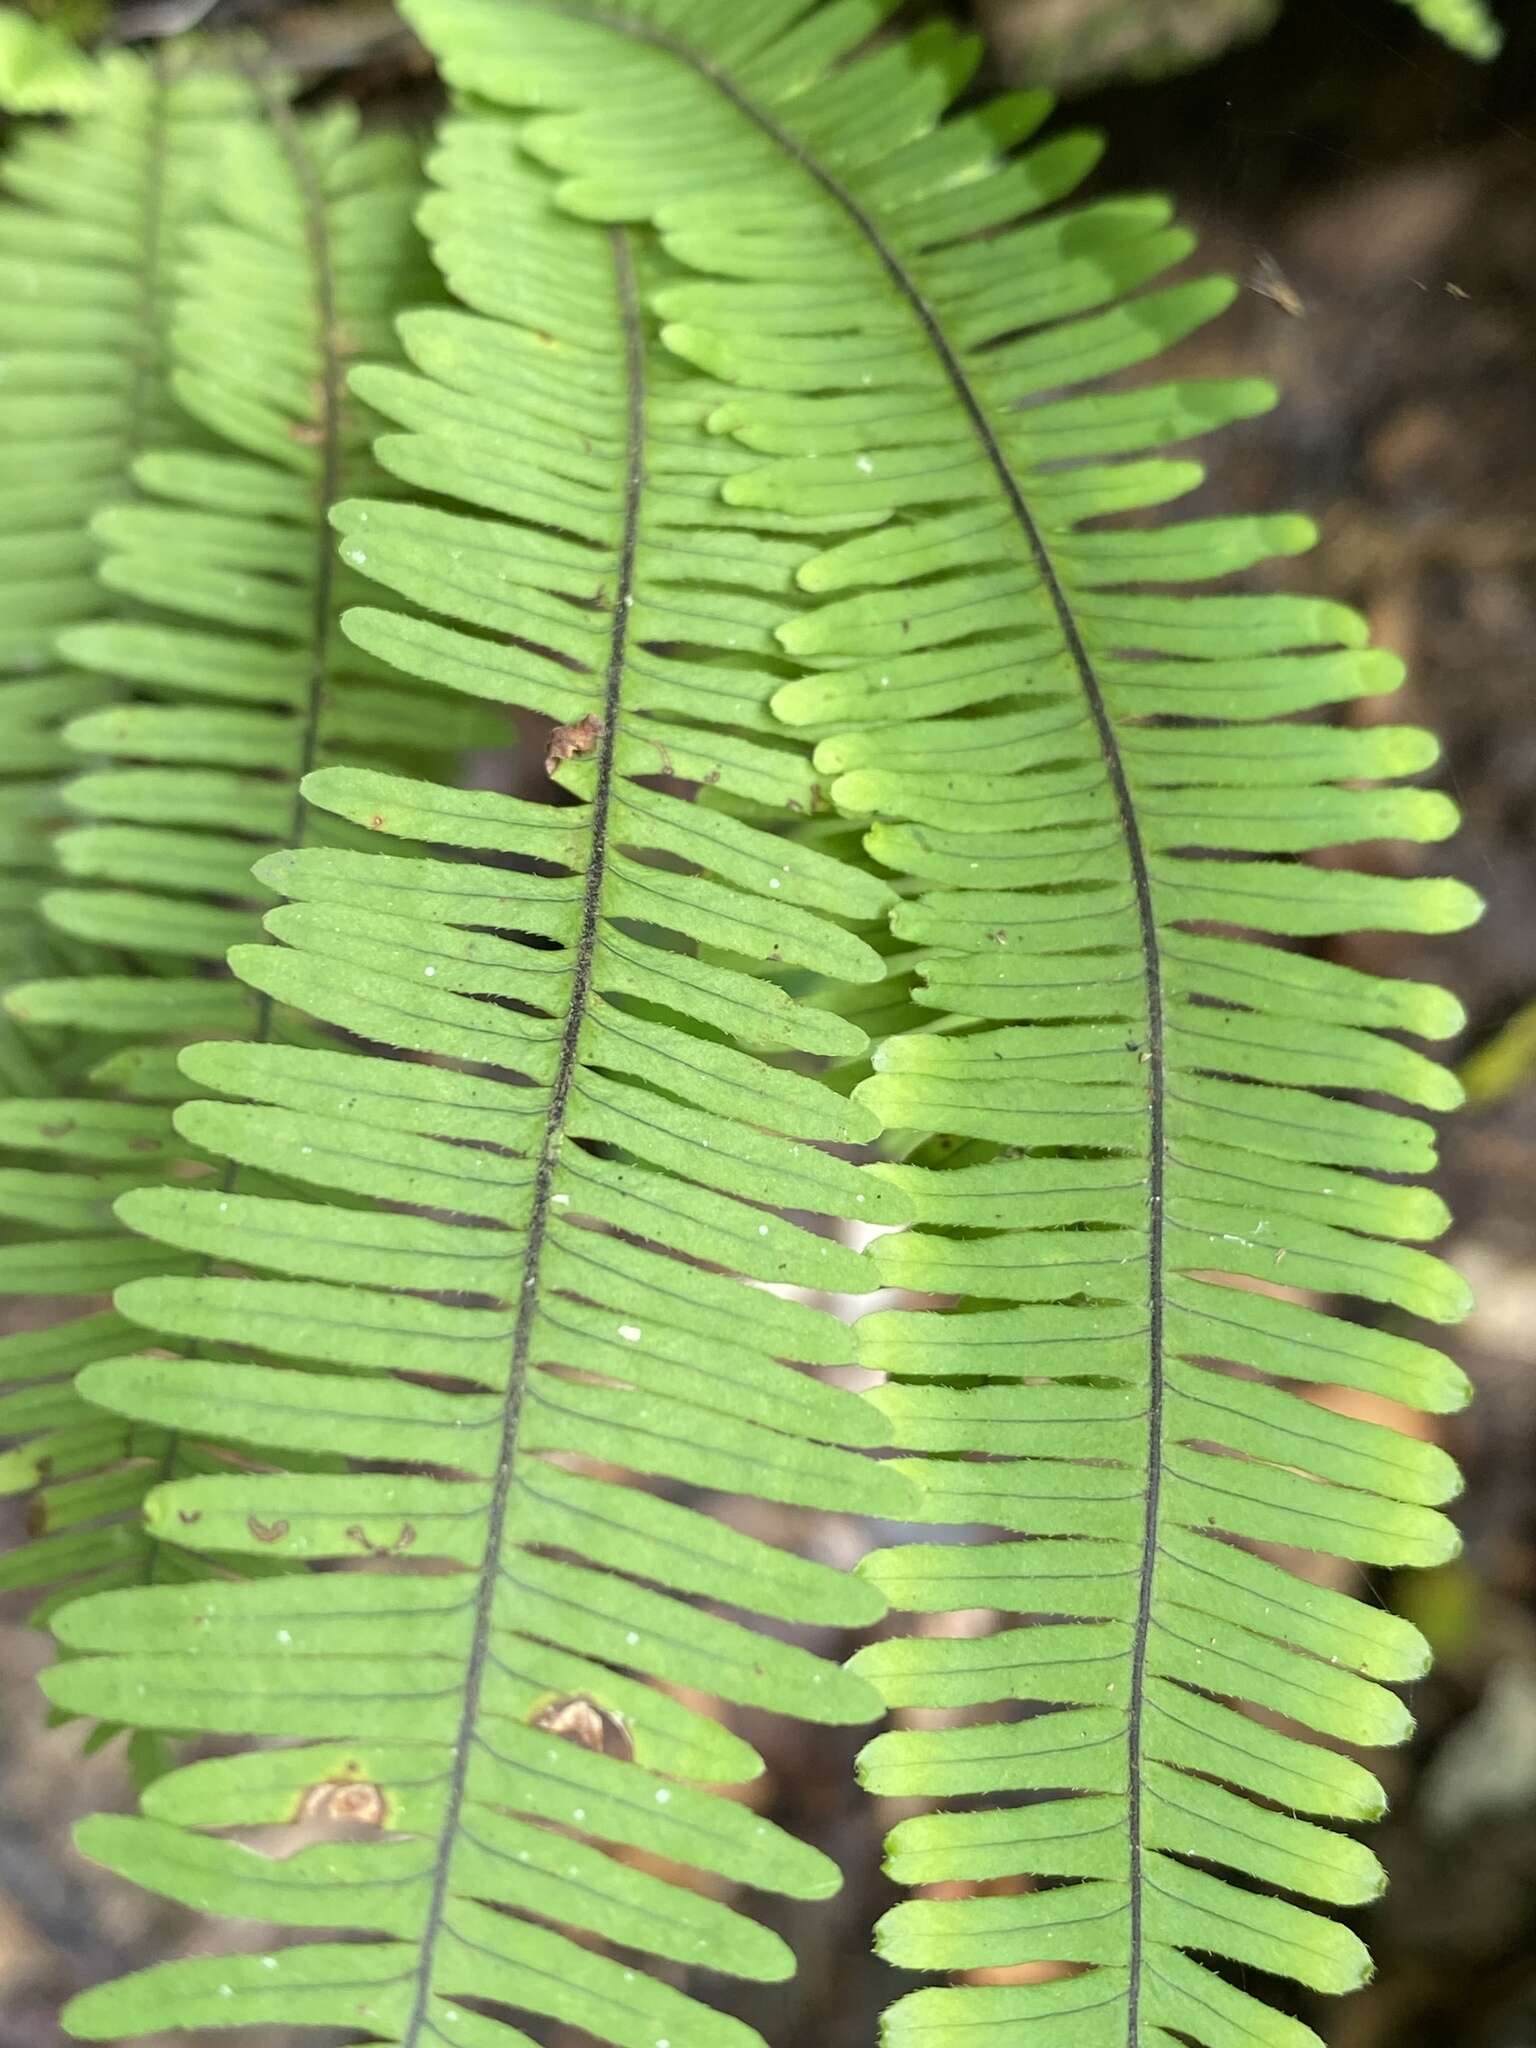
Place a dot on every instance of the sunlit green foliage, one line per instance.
(792, 451)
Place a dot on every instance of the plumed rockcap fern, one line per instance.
(501, 1158)
(521, 1268)
(227, 593)
(89, 247)
(242, 679)
(91, 242)
(1095, 779)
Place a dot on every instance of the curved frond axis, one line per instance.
(89, 247)
(1153, 1105)
(525, 1265)
(228, 598)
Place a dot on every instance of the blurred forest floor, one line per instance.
(1378, 198)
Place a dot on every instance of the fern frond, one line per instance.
(522, 1270)
(88, 254)
(243, 680)
(1101, 784)
(228, 632)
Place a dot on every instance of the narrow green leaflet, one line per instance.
(227, 633)
(524, 1271)
(91, 234)
(1156, 1115)
(1467, 25)
(43, 70)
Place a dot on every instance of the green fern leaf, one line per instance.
(88, 255)
(227, 560)
(228, 632)
(521, 1264)
(1052, 737)
(1467, 25)
(42, 71)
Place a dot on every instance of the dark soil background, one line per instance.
(1378, 197)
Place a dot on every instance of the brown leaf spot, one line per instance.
(266, 1532)
(579, 1719)
(566, 741)
(345, 1799)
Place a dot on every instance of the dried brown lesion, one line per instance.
(566, 742)
(576, 1717)
(345, 1799)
